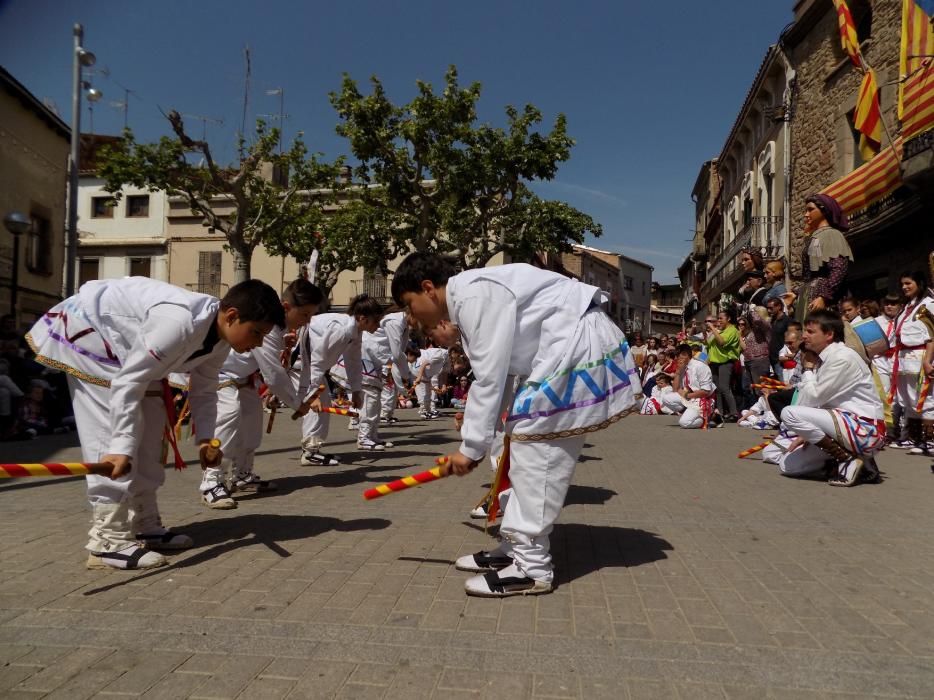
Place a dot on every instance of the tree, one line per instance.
(452, 185)
(242, 202)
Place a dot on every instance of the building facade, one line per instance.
(749, 178)
(888, 199)
(34, 148)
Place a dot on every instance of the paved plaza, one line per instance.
(682, 573)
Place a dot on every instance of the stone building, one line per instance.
(601, 269)
(667, 308)
(34, 147)
(889, 199)
(707, 229)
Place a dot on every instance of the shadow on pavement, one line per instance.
(328, 480)
(588, 495)
(582, 549)
(221, 535)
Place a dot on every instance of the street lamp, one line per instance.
(17, 224)
(82, 59)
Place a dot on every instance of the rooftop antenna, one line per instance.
(204, 123)
(124, 104)
(282, 116)
(246, 96)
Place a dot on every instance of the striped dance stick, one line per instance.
(408, 482)
(307, 402)
(15, 471)
(339, 411)
(753, 450)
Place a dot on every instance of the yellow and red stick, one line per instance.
(407, 482)
(753, 450)
(15, 471)
(303, 409)
(339, 411)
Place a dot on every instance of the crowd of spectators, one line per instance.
(33, 399)
(772, 347)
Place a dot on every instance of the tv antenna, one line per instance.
(204, 123)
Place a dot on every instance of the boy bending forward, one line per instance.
(576, 376)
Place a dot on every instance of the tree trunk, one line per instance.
(242, 257)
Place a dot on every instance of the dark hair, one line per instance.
(872, 305)
(828, 321)
(796, 326)
(301, 292)
(893, 299)
(755, 255)
(255, 300)
(729, 313)
(684, 349)
(919, 278)
(415, 269)
(364, 305)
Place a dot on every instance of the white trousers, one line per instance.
(540, 474)
(907, 397)
(690, 413)
(134, 495)
(812, 424)
(390, 395)
(315, 425)
(240, 430)
(369, 414)
(426, 397)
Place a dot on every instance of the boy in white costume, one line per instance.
(694, 393)
(367, 425)
(883, 364)
(655, 404)
(759, 415)
(838, 413)
(914, 332)
(577, 377)
(430, 365)
(329, 337)
(392, 338)
(240, 407)
(119, 340)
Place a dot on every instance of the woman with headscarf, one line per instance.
(827, 255)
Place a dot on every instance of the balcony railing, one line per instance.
(762, 233)
(376, 287)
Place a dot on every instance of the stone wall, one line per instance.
(822, 146)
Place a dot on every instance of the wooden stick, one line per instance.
(272, 419)
(15, 471)
(407, 482)
(303, 409)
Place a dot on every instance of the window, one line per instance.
(137, 205)
(139, 267)
(628, 282)
(88, 269)
(102, 207)
(854, 136)
(209, 272)
(643, 287)
(39, 245)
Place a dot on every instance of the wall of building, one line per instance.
(823, 147)
(635, 294)
(33, 172)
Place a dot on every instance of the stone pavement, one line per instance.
(683, 573)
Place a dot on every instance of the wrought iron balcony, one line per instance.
(762, 233)
(376, 286)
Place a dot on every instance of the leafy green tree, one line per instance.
(243, 202)
(450, 184)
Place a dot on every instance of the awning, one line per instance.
(870, 182)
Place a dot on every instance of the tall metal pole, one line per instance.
(14, 280)
(71, 234)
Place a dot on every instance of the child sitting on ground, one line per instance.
(654, 405)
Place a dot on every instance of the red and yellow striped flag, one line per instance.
(848, 32)
(867, 117)
(915, 65)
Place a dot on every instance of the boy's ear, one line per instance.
(287, 306)
(427, 286)
(230, 315)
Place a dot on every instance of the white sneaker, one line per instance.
(506, 582)
(317, 459)
(253, 482)
(129, 558)
(370, 446)
(218, 498)
(847, 472)
(479, 513)
(165, 539)
(354, 424)
(922, 449)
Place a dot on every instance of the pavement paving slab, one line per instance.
(682, 572)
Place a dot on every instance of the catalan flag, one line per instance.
(916, 68)
(867, 117)
(848, 32)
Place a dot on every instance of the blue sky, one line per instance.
(650, 89)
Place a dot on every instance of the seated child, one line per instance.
(655, 404)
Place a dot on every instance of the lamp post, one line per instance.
(82, 58)
(17, 224)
